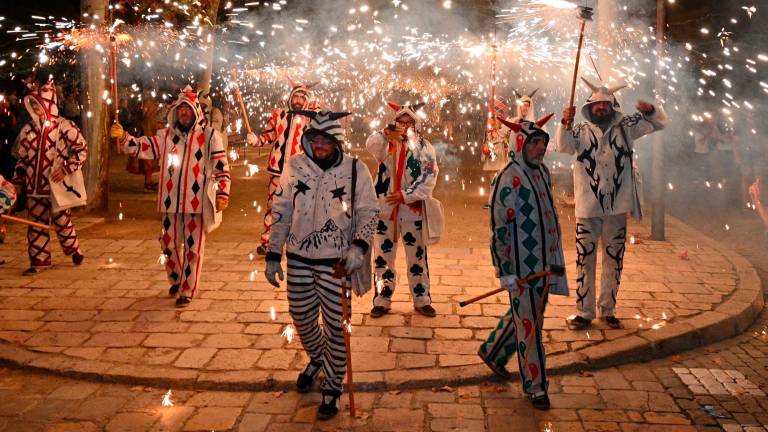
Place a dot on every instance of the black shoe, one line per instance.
(613, 322)
(34, 270)
(378, 311)
(261, 250)
(328, 408)
(307, 377)
(541, 402)
(182, 302)
(426, 310)
(77, 258)
(501, 371)
(578, 323)
(173, 290)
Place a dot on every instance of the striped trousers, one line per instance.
(516, 333)
(39, 239)
(183, 243)
(312, 290)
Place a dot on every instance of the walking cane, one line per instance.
(341, 273)
(550, 270)
(585, 14)
(25, 222)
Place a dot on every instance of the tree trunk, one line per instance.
(204, 81)
(95, 115)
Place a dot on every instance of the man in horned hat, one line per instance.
(525, 239)
(194, 187)
(406, 177)
(497, 148)
(283, 133)
(51, 153)
(324, 213)
(606, 189)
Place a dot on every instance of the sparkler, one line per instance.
(167, 402)
(585, 14)
(288, 333)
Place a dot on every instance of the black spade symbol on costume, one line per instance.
(409, 239)
(380, 262)
(417, 270)
(381, 228)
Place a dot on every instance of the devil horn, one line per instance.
(615, 88)
(542, 121)
(417, 106)
(305, 113)
(312, 84)
(290, 80)
(517, 93)
(515, 127)
(338, 115)
(394, 106)
(592, 87)
(533, 93)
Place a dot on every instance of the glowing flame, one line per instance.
(288, 333)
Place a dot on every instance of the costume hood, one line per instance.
(411, 110)
(601, 93)
(529, 129)
(46, 98)
(325, 123)
(301, 88)
(191, 98)
(521, 99)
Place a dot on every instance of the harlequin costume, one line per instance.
(47, 144)
(283, 133)
(499, 138)
(194, 176)
(407, 166)
(525, 239)
(606, 189)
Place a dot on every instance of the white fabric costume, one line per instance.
(500, 141)
(410, 168)
(606, 190)
(313, 219)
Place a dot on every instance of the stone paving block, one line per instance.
(195, 357)
(130, 422)
(213, 419)
(172, 340)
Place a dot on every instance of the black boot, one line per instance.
(541, 402)
(328, 406)
(173, 290)
(77, 258)
(307, 377)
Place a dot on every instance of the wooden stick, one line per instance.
(25, 222)
(241, 103)
(520, 283)
(345, 322)
(113, 76)
(576, 70)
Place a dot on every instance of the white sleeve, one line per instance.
(378, 146)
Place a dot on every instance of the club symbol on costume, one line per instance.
(338, 193)
(419, 289)
(71, 189)
(419, 252)
(417, 224)
(380, 262)
(388, 275)
(381, 228)
(416, 270)
(409, 239)
(387, 245)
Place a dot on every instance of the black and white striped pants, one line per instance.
(312, 290)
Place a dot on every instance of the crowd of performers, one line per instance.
(339, 226)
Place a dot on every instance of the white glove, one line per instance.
(509, 283)
(251, 139)
(274, 268)
(354, 259)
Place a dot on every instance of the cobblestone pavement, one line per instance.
(112, 317)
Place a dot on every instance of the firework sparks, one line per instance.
(167, 402)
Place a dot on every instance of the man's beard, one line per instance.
(183, 128)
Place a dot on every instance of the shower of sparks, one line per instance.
(167, 402)
(272, 313)
(288, 333)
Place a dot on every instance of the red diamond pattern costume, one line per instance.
(45, 144)
(283, 133)
(194, 169)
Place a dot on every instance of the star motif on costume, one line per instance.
(339, 193)
(302, 187)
